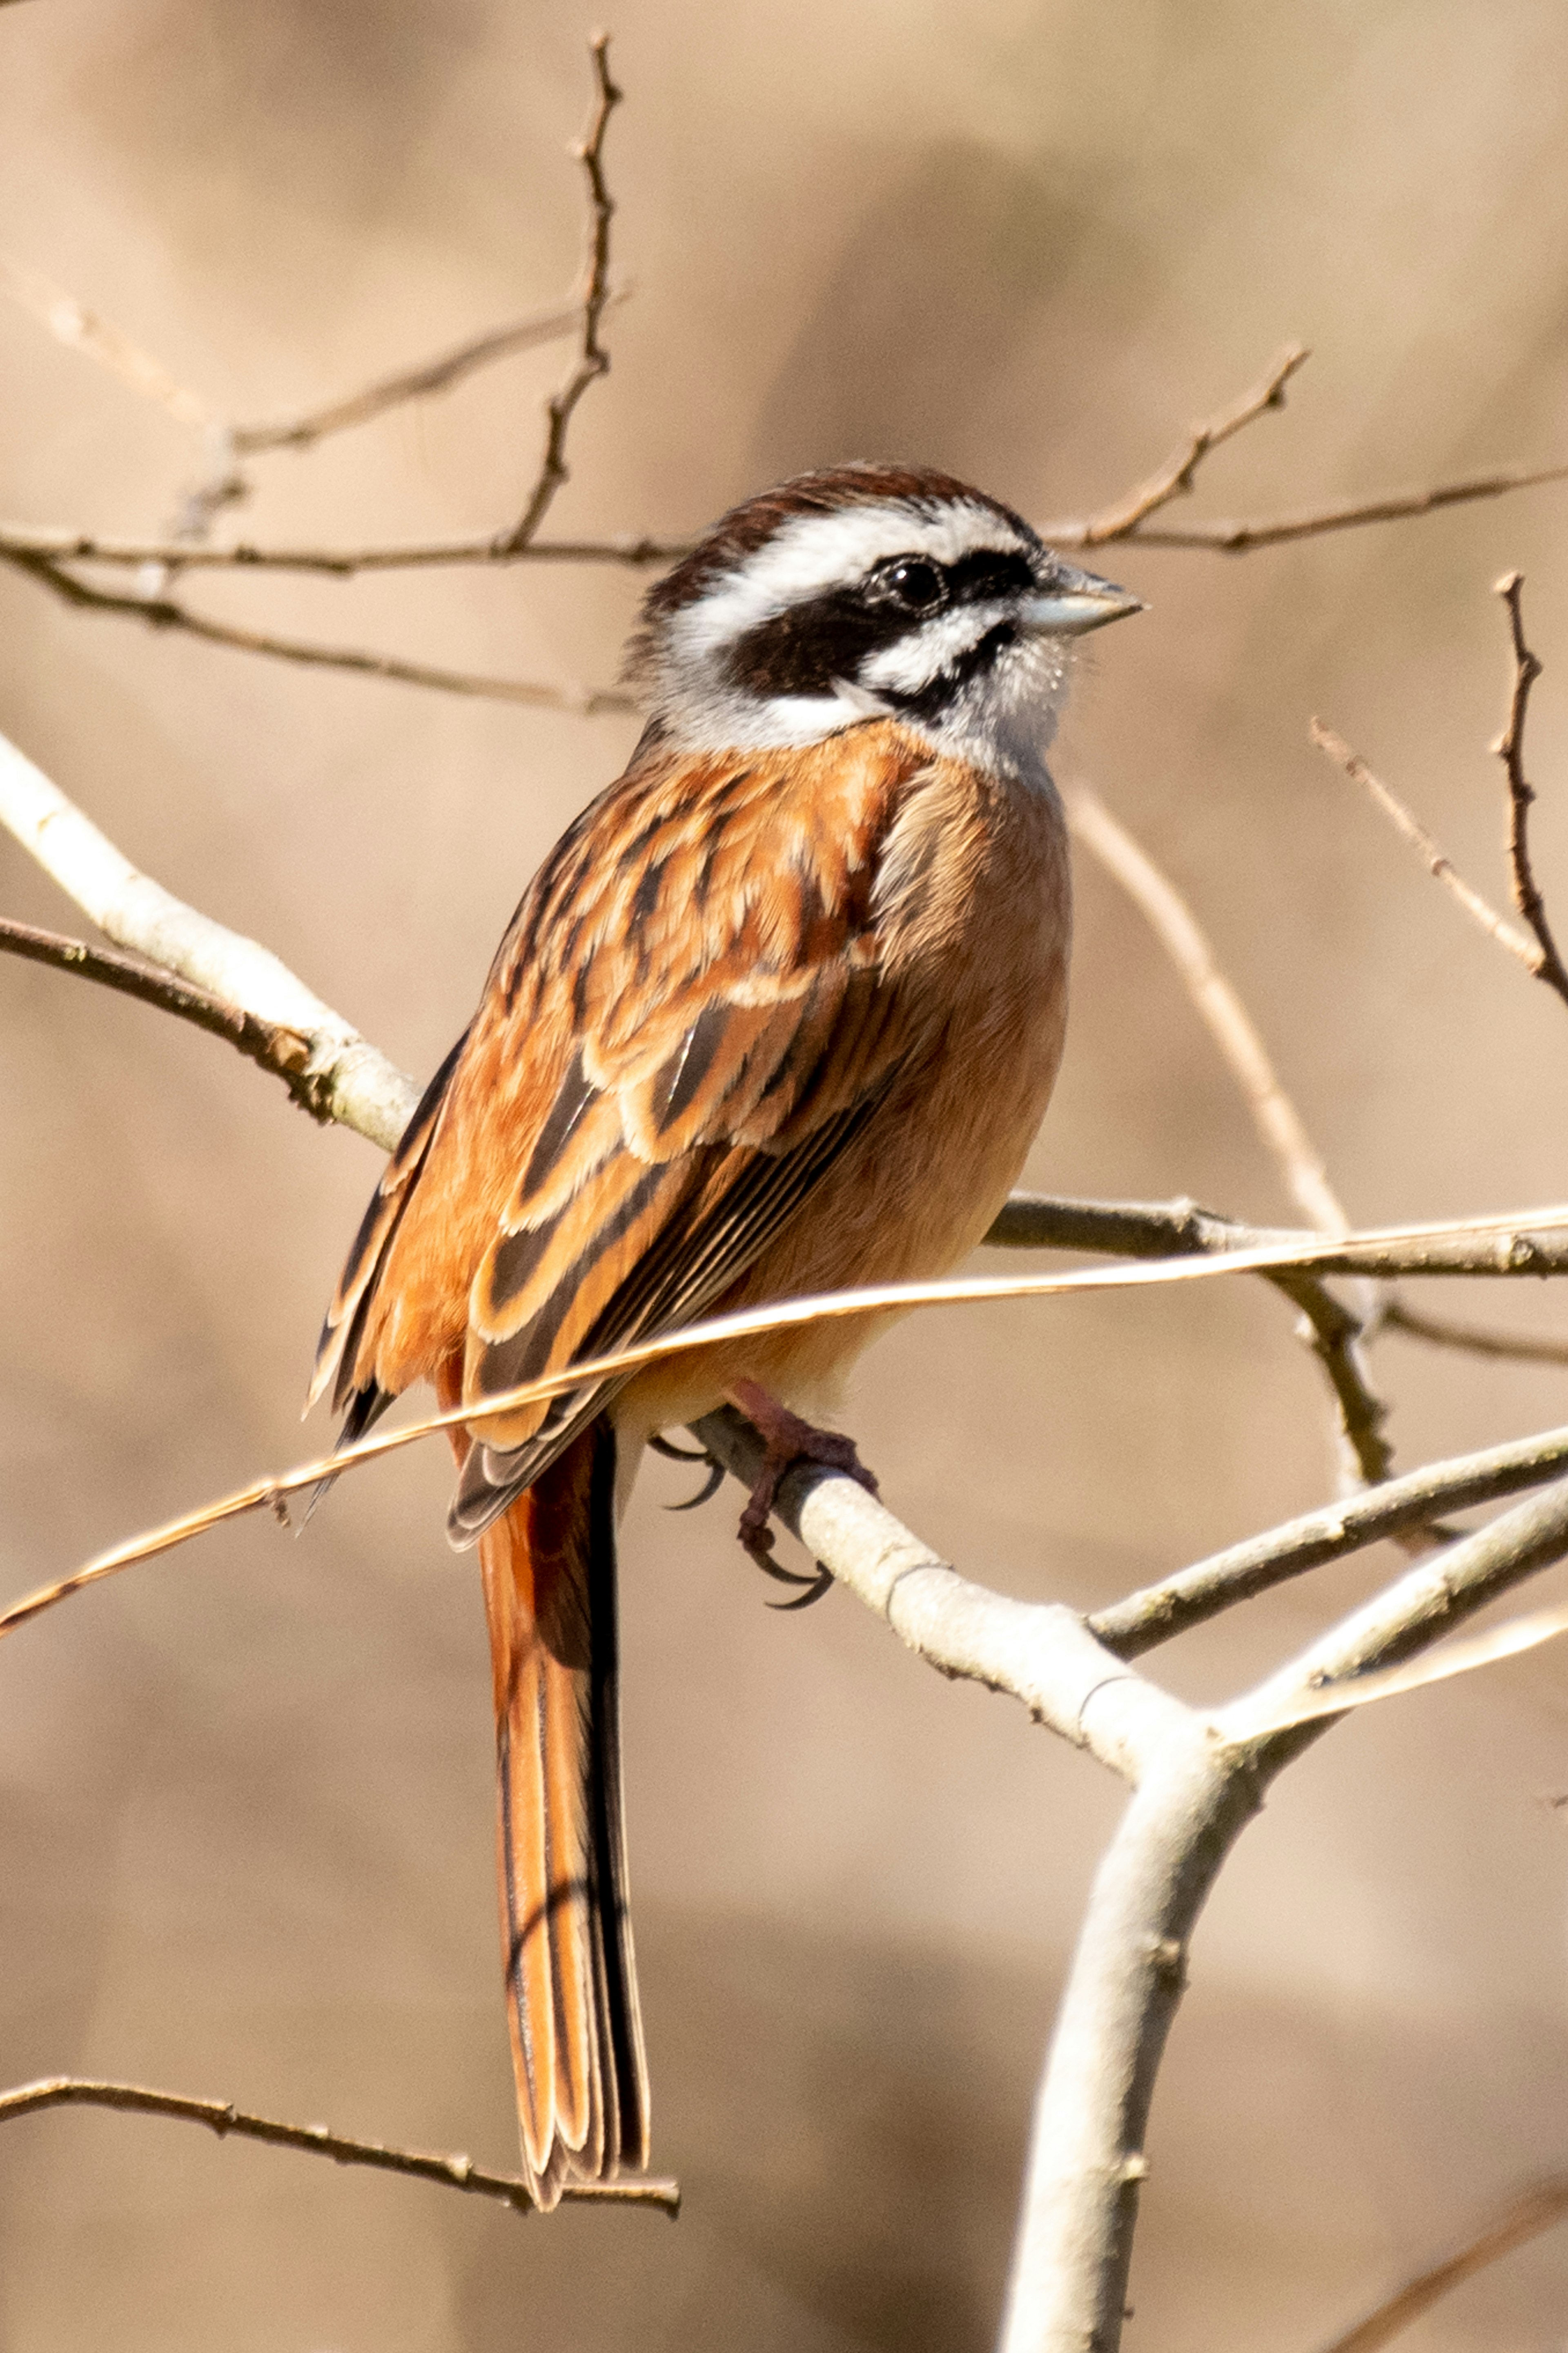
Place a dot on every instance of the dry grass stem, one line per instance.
(223, 2118)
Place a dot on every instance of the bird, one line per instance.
(780, 1012)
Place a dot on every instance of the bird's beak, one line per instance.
(1076, 602)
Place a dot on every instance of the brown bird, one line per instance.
(780, 1012)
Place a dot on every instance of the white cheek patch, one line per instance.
(818, 553)
(919, 657)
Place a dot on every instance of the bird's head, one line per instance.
(864, 592)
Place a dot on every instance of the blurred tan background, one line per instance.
(245, 1793)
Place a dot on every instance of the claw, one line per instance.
(661, 1445)
(816, 1586)
(710, 1487)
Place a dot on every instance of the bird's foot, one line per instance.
(788, 1441)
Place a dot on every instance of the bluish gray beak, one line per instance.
(1076, 602)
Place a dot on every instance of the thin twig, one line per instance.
(1513, 1346)
(167, 613)
(284, 1051)
(1519, 1239)
(1191, 1596)
(223, 2118)
(1509, 749)
(1535, 2211)
(342, 1076)
(64, 546)
(1437, 861)
(447, 369)
(593, 360)
(1123, 517)
(1240, 537)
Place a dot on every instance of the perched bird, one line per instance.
(780, 1012)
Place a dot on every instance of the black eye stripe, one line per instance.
(803, 650)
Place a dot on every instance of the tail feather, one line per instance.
(549, 1570)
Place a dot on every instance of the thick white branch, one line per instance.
(350, 1080)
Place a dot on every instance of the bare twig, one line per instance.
(438, 374)
(1123, 518)
(341, 1076)
(223, 2118)
(1438, 862)
(1535, 2211)
(1512, 1346)
(1509, 749)
(593, 360)
(284, 1051)
(1242, 536)
(59, 546)
(167, 613)
(1193, 1596)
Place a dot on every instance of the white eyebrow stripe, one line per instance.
(817, 552)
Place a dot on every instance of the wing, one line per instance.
(688, 1023)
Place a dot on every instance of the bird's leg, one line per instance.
(788, 1441)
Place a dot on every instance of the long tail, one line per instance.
(548, 1567)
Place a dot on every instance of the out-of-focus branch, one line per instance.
(337, 1072)
(1509, 749)
(1123, 518)
(57, 546)
(1526, 2219)
(1192, 1596)
(1437, 861)
(1333, 1329)
(223, 2118)
(593, 360)
(72, 323)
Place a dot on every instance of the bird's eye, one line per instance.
(910, 581)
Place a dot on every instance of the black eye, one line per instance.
(910, 582)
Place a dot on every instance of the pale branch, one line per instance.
(1407, 1617)
(1436, 860)
(1123, 517)
(1331, 1328)
(1242, 535)
(1449, 1659)
(1526, 2219)
(221, 2116)
(447, 369)
(165, 612)
(346, 1078)
(1039, 1652)
(1516, 1347)
(284, 1052)
(72, 323)
(1191, 1596)
(1509, 749)
(593, 360)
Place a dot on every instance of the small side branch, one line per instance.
(1122, 519)
(223, 2118)
(593, 359)
(1509, 749)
